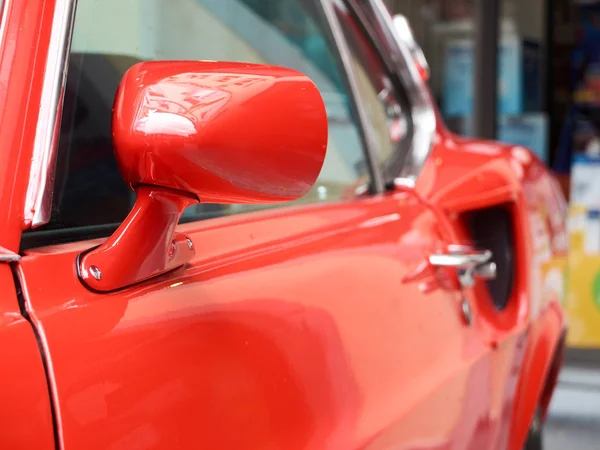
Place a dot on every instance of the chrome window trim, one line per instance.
(7, 256)
(422, 107)
(38, 201)
(4, 7)
(338, 36)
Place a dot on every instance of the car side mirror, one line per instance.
(200, 131)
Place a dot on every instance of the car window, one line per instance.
(387, 111)
(111, 35)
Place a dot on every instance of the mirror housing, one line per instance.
(200, 131)
(223, 132)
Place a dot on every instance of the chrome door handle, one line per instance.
(470, 263)
(460, 260)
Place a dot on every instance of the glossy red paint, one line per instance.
(292, 327)
(462, 175)
(26, 408)
(144, 245)
(23, 52)
(537, 382)
(260, 317)
(25, 414)
(225, 132)
(313, 327)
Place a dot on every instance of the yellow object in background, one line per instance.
(582, 301)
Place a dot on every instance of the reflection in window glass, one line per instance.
(445, 31)
(112, 35)
(386, 119)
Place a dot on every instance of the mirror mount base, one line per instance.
(145, 244)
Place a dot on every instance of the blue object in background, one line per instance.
(519, 86)
(510, 79)
(458, 79)
(529, 130)
(585, 83)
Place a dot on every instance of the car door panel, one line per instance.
(464, 176)
(290, 329)
(26, 413)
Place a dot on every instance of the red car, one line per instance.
(157, 291)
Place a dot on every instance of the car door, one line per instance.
(313, 325)
(501, 199)
(26, 412)
(394, 81)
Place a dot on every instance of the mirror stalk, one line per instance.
(127, 258)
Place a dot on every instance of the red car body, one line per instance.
(321, 326)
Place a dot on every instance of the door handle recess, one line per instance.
(469, 263)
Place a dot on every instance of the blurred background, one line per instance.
(527, 72)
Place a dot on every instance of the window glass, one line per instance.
(445, 31)
(387, 119)
(112, 35)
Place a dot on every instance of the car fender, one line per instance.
(539, 371)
